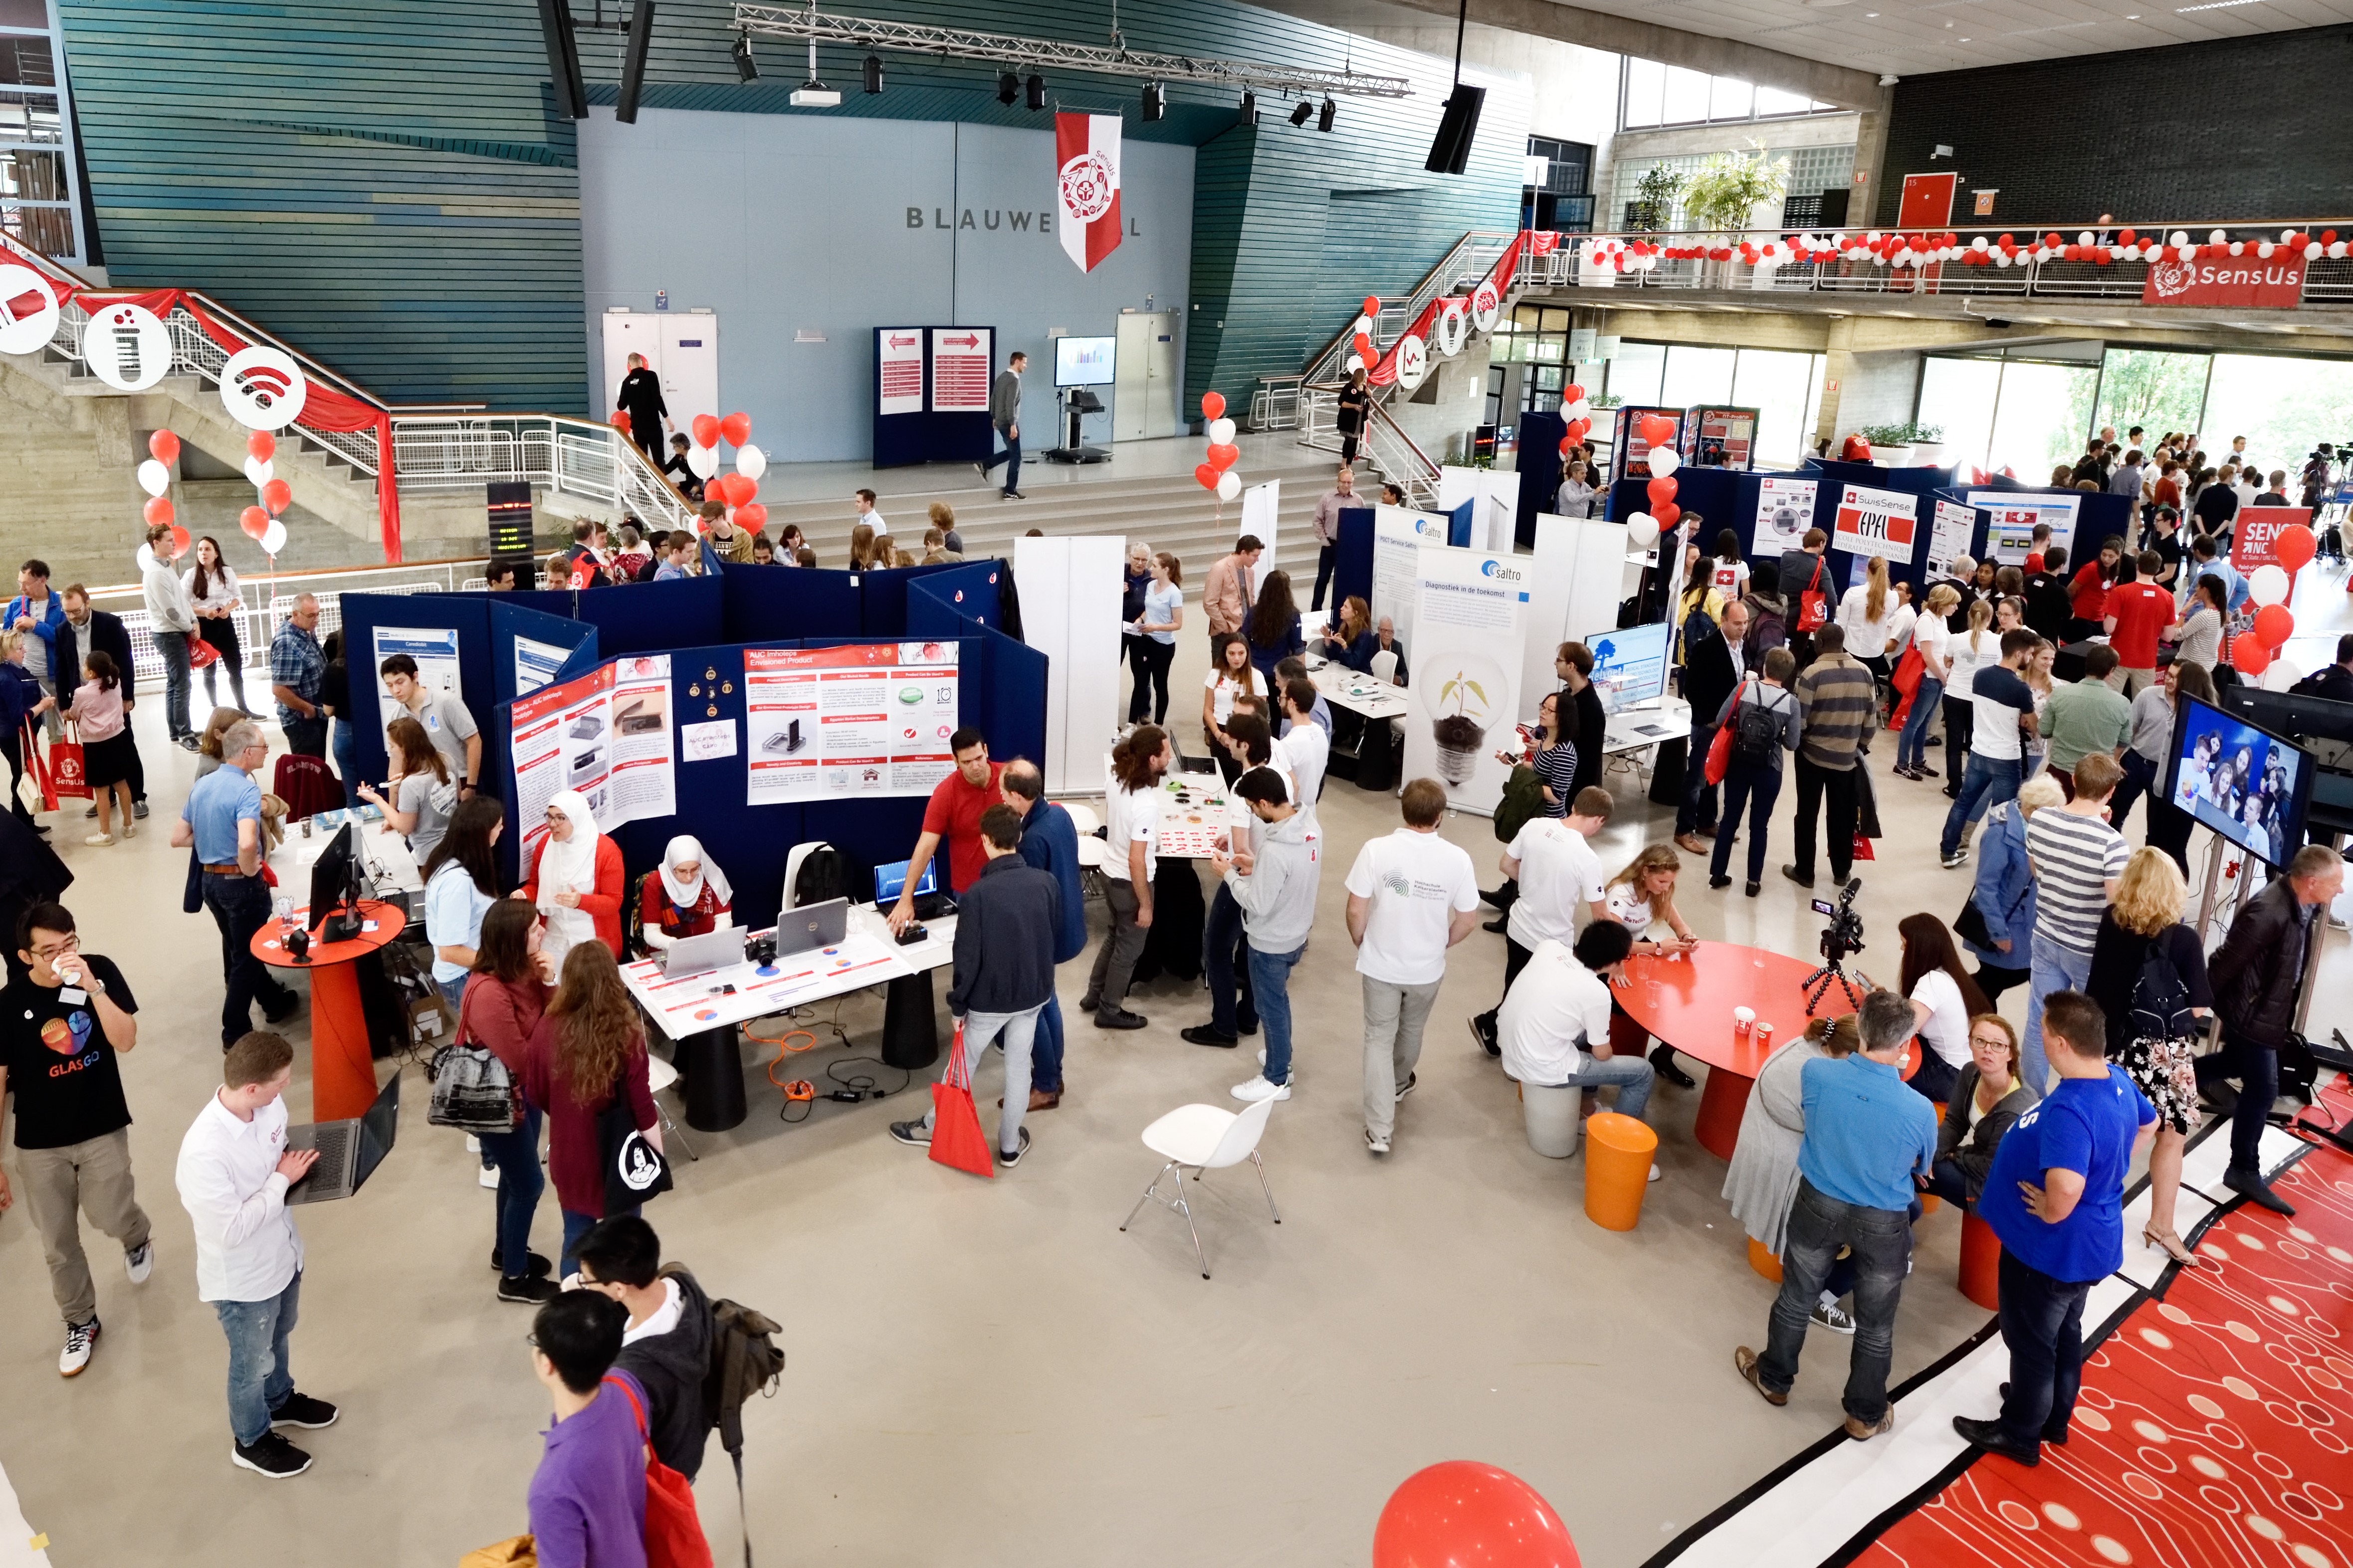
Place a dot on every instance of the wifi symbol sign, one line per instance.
(263, 388)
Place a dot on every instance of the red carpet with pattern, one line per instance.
(2216, 1425)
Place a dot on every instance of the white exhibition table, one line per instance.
(383, 856)
(735, 994)
(1358, 692)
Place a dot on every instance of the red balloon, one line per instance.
(1579, 429)
(262, 446)
(163, 446)
(706, 430)
(157, 510)
(1205, 476)
(1661, 491)
(1464, 1514)
(1224, 455)
(737, 428)
(1571, 393)
(253, 521)
(2273, 626)
(2249, 656)
(620, 420)
(277, 495)
(2293, 545)
(1364, 347)
(179, 542)
(751, 515)
(1658, 429)
(1665, 513)
(1213, 405)
(1373, 305)
(1568, 444)
(741, 488)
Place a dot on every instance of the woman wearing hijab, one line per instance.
(577, 880)
(686, 896)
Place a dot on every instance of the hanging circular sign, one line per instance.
(127, 347)
(263, 388)
(28, 310)
(1486, 304)
(1412, 361)
(1452, 327)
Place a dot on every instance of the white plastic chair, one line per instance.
(660, 1076)
(800, 853)
(1093, 851)
(1204, 1138)
(1385, 666)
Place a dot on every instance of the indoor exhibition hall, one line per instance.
(831, 703)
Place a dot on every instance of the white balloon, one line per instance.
(2286, 235)
(2180, 238)
(154, 478)
(1663, 461)
(2085, 239)
(2312, 250)
(1361, 327)
(2217, 237)
(2263, 251)
(750, 461)
(1229, 484)
(259, 472)
(2336, 250)
(1642, 530)
(702, 461)
(1221, 432)
(273, 537)
(1356, 362)
(2238, 247)
(1580, 409)
(2267, 586)
(147, 558)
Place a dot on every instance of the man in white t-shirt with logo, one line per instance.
(1556, 1022)
(1411, 896)
(1559, 881)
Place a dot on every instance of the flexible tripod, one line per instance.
(1818, 984)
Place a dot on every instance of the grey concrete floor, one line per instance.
(991, 1373)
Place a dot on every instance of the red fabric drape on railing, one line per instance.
(1385, 370)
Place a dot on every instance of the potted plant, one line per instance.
(1907, 444)
(1727, 190)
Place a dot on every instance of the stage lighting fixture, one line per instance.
(564, 59)
(1331, 112)
(874, 73)
(1450, 150)
(636, 41)
(1301, 110)
(1155, 102)
(1033, 92)
(813, 93)
(1009, 87)
(1248, 114)
(746, 67)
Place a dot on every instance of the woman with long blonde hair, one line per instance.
(586, 1053)
(861, 548)
(1968, 653)
(1868, 615)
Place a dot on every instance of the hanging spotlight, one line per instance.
(1155, 102)
(1033, 92)
(746, 68)
(1009, 87)
(1331, 112)
(1248, 114)
(1301, 112)
(874, 73)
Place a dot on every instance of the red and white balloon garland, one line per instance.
(263, 523)
(1877, 248)
(1216, 475)
(155, 478)
(2251, 651)
(736, 490)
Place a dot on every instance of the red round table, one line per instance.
(1687, 1002)
(343, 1064)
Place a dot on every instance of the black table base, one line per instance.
(911, 1028)
(713, 1066)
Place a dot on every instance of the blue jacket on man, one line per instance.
(1007, 924)
(1049, 841)
(2004, 893)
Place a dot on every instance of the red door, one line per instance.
(1927, 203)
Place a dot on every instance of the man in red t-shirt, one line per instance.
(953, 814)
(2137, 610)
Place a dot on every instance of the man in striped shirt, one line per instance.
(1840, 705)
(2076, 858)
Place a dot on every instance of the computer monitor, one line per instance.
(2248, 786)
(1629, 665)
(332, 874)
(891, 880)
(1084, 361)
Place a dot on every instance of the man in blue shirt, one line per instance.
(1049, 841)
(222, 822)
(297, 670)
(1867, 1135)
(2055, 1197)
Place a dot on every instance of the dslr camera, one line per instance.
(1843, 935)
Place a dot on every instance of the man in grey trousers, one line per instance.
(1005, 414)
(1275, 886)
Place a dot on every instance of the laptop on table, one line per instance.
(930, 903)
(349, 1151)
(698, 954)
(813, 926)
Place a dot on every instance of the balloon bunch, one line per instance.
(2251, 651)
(735, 489)
(1361, 355)
(1643, 528)
(1217, 475)
(263, 523)
(155, 477)
(1579, 411)
(1626, 255)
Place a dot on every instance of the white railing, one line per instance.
(265, 602)
(1469, 258)
(1382, 443)
(1274, 406)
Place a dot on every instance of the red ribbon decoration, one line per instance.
(1385, 372)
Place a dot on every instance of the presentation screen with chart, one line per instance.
(2246, 783)
(1629, 665)
(1084, 361)
(867, 720)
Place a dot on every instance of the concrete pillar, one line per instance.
(1870, 164)
(1837, 370)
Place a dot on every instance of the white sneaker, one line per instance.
(1258, 1089)
(489, 1177)
(80, 1340)
(99, 838)
(1375, 1143)
(473, 1144)
(140, 1262)
(1654, 1172)
(1261, 1055)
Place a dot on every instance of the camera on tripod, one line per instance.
(1842, 936)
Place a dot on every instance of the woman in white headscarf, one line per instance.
(577, 880)
(687, 895)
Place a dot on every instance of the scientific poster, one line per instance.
(606, 734)
(536, 664)
(1948, 536)
(1470, 627)
(1398, 538)
(435, 649)
(1876, 522)
(866, 722)
(2015, 515)
(1785, 509)
(643, 779)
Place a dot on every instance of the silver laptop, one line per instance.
(349, 1151)
(698, 954)
(812, 926)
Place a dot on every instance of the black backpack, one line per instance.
(1755, 733)
(2160, 1001)
(825, 874)
(745, 1362)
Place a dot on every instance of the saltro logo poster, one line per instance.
(1469, 627)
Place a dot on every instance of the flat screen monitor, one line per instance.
(332, 871)
(1084, 361)
(891, 880)
(1629, 665)
(2248, 786)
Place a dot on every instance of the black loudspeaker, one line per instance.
(1834, 207)
(564, 59)
(1450, 150)
(640, 38)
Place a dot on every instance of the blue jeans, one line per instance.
(1231, 1006)
(1021, 1031)
(258, 1381)
(575, 1226)
(1990, 781)
(2042, 1324)
(345, 744)
(1697, 808)
(516, 1156)
(240, 907)
(1912, 746)
(1011, 458)
(1882, 1244)
(1935, 1077)
(173, 646)
(2056, 968)
(1631, 1074)
(1046, 1049)
(2142, 777)
(1748, 786)
(1269, 976)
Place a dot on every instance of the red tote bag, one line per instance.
(1719, 751)
(956, 1137)
(673, 1530)
(67, 778)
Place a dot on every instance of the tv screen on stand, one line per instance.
(2248, 786)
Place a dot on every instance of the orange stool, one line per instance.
(1617, 1154)
(1929, 1203)
(1980, 1262)
(1764, 1262)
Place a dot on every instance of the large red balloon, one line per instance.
(2273, 626)
(1665, 513)
(179, 542)
(737, 428)
(2249, 656)
(1661, 491)
(163, 446)
(1205, 476)
(741, 488)
(1372, 304)
(1568, 444)
(1224, 455)
(620, 420)
(1579, 429)
(1570, 393)
(751, 515)
(706, 430)
(2293, 545)
(262, 446)
(157, 510)
(1658, 429)
(1464, 1514)
(277, 495)
(1213, 405)
(253, 521)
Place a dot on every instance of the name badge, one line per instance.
(72, 994)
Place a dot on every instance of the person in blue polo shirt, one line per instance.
(2055, 1197)
(223, 822)
(1867, 1135)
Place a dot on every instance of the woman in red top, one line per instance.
(587, 1051)
(2089, 590)
(2168, 488)
(575, 879)
(686, 896)
(505, 996)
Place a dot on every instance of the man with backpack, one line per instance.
(1805, 583)
(1714, 672)
(1764, 719)
(666, 1344)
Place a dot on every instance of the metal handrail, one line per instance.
(1396, 454)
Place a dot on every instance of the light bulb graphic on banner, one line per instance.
(1463, 699)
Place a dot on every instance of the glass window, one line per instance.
(1634, 373)
(27, 62)
(2041, 419)
(1779, 386)
(1729, 98)
(1773, 100)
(2147, 387)
(25, 14)
(1696, 375)
(1958, 394)
(1646, 80)
(33, 176)
(1548, 378)
(1687, 98)
(1525, 317)
(1556, 321)
(2283, 407)
(30, 117)
(48, 230)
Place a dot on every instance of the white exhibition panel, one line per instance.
(1578, 576)
(1470, 629)
(1497, 491)
(1070, 590)
(1262, 505)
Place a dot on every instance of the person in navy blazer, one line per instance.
(1049, 841)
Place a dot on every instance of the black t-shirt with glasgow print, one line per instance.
(64, 1075)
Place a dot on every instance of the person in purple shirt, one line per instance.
(588, 1497)
(2055, 1197)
